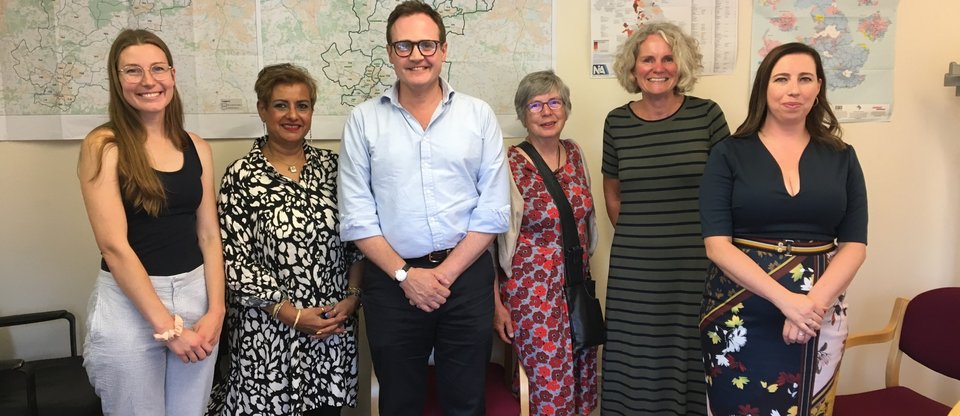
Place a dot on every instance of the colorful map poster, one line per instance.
(53, 80)
(855, 39)
(712, 22)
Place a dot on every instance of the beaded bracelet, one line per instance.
(172, 333)
(354, 291)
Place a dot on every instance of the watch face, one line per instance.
(400, 275)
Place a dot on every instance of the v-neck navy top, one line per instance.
(742, 194)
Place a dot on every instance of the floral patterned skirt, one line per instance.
(562, 382)
(749, 368)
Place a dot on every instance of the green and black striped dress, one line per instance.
(652, 361)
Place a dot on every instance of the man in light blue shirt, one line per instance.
(423, 192)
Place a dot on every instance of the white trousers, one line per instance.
(131, 372)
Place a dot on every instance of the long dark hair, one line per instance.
(821, 123)
(139, 183)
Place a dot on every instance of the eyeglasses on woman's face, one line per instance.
(134, 73)
(403, 48)
(537, 106)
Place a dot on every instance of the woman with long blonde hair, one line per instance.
(156, 311)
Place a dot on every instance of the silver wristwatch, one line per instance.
(401, 274)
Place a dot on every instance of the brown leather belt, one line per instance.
(787, 247)
(435, 257)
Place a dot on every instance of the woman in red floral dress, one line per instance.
(531, 311)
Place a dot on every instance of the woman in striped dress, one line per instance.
(654, 151)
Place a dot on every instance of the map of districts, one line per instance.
(854, 39)
(53, 77)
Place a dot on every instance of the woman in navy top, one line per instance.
(773, 318)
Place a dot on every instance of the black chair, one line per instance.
(56, 386)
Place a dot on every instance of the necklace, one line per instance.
(559, 158)
(559, 154)
(292, 168)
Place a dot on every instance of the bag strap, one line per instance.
(568, 227)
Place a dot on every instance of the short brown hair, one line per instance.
(283, 74)
(411, 7)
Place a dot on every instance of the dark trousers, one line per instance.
(402, 336)
(323, 411)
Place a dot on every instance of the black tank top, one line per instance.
(167, 244)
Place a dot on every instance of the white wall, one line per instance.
(48, 258)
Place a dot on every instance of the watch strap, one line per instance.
(401, 272)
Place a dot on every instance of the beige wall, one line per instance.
(48, 258)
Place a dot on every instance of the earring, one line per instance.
(816, 101)
(264, 129)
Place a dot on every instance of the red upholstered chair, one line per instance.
(927, 329)
(500, 400)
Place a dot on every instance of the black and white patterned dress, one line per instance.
(281, 240)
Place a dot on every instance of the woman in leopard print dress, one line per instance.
(292, 283)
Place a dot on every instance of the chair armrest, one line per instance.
(884, 335)
(32, 318)
(7, 365)
(525, 392)
(956, 410)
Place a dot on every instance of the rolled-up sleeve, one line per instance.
(355, 201)
(492, 214)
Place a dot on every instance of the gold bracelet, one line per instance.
(297, 320)
(276, 308)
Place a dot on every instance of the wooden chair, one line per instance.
(927, 331)
(499, 398)
(56, 386)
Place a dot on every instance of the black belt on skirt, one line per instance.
(787, 247)
(435, 257)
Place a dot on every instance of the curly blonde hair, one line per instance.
(686, 53)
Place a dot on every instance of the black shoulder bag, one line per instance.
(587, 328)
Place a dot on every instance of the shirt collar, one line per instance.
(391, 93)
